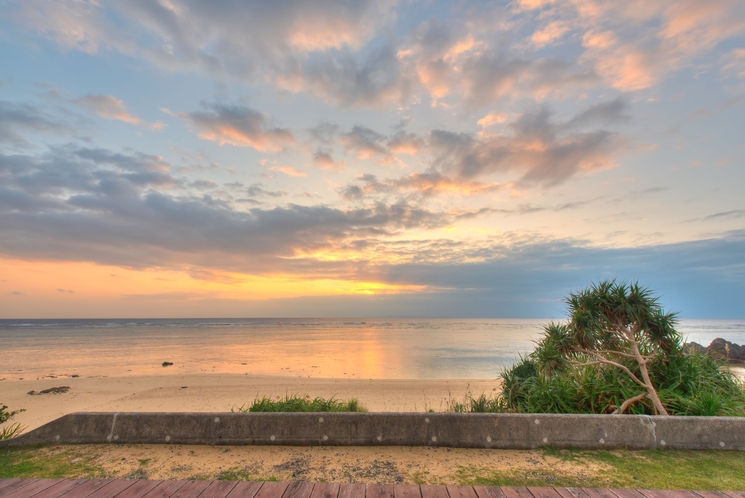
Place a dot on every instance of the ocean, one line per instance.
(329, 348)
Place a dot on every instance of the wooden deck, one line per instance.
(110, 488)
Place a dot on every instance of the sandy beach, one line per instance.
(221, 392)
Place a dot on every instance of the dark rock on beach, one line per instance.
(720, 349)
(167, 363)
(51, 390)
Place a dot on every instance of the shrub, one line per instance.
(619, 352)
(296, 403)
(5, 416)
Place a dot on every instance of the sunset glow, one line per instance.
(186, 158)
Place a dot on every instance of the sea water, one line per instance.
(337, 348)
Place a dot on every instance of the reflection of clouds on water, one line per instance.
(364, 348)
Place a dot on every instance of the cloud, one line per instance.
(287, 170)
(296, 44)
(735, 213)
(323, 159)
(239, 126)
(427, 184)
(115, 208)
(17, 293)
(19, 119)
(375, 80)
(109, 107)
(364, 143)
(542, 151)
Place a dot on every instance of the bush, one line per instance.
(619, 353)
(5, 416)
(296, 403)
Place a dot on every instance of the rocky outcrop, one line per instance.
(721, 349)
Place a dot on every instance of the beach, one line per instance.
(223, 392)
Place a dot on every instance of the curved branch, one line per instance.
(603, 361)
(629, 402)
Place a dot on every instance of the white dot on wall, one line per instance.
(272, 438)
(325, 438)
(379, 438)
(537, 421)
(426, 420)
(545, 440)
(662, 442)
(434, 438)
(57, 437)
(217, 420)
(108, 438)
(602, 440)
(488, 439)
(320, 420)
(721, 443)
(116, 438)
(168, 438)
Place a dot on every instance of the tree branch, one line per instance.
(629, 402)
(603, 361)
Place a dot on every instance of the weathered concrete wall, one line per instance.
(507, 431)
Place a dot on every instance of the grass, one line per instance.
(297, 403)
(663, 469)
(66, 462)
(669, 469)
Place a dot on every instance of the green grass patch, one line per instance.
(297, 403)
(668, 469)
(45, 462)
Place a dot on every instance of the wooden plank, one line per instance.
(379, 491)
(272, 490)
(88, 487)
(665, 493)
(139, 488)
(406, 491)
(734, 494)
(10, 485)
(628, 493)
(112, 489)
(34, 488)
(544, 492)
(489, 492)
(599, 492)
(351, 490)
(298, 489)
(192, 488)
(325, 490)
(245, 489)
(60, 488)
(165, 489)
(218, 489)
(516, 492)
(461, 492)
(573, 492)
(438, 492)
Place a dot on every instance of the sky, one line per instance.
(181, 158)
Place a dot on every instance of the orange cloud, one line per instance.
(109, 107)
(287, 170)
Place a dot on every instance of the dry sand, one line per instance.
(384, 465)
(221, 392)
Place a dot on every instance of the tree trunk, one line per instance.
(645, 375)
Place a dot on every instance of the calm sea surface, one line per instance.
(364, 348)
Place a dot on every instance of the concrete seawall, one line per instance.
(455, 430)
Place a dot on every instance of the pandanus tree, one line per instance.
(617, 325)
